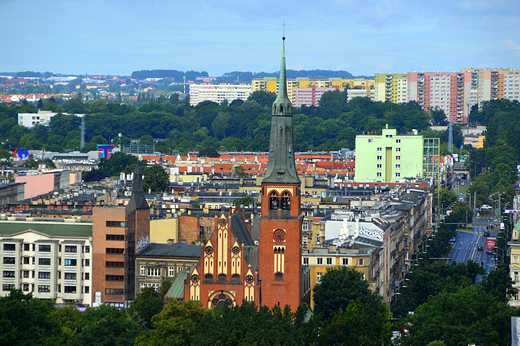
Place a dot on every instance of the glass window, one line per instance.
(8, 274)
(361, 261)
(70, 276)
(71, 248)
(318, 277)
(9, 247)
(44, 261)
(44, 248)
(143, 270)
(171, 271)
(44, 275)
(379, 158)
(398, 158)
(70, 262)
(44, 288)
(26, 247)
(379, 166)
(69, 289)
(329, 260)
(345, 261)
(306, 260)
(320, 260)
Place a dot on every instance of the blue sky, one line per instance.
(363, 37)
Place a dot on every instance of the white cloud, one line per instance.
(512, 46)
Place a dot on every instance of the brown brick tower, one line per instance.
(281, 221)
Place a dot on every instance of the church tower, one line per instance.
(281, 221)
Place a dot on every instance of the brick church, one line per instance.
(265, 269)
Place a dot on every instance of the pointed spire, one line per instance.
(281, 167)
(137, 201)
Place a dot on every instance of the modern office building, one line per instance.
(218, 92)
(388, 157)
(119, 233)
(48, 258)
(29, 120)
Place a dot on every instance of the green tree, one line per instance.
(210, 148)
(74, 106)
(263, 98)
(447, 197)
(156, 179)
(338, 288)
(461, 213)
(246, 201)
(106, 325)
(24, 319)
(358, 325)
(119, 162)
(31, 164)
(147, 304)
(467, 316)
(94, 175)
(249, 325)
(175, 325)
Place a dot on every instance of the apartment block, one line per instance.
(52, 260)
(218, 92)
(391, 87)
(494, 83)
(29, 120)
(310, 86)
(449, 91)
(388, 157)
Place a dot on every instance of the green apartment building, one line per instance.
(388, 157)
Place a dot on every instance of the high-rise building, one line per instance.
(218, 92)
(494, 84)
(119, 232)
(391, 87)
(449, 91)
(388, 157)
(300, 89)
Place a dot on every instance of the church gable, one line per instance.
(223, 276)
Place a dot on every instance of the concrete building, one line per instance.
(218, 92)
(494, 84)
(449, 91)
(388, 157)
(270, 84)
(158, 262)
(48, 258)
(119, 233)
(29, 120)
(311, 94)
(39, 183)
(391, 87)
(514, 266)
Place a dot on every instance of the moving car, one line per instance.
(480, 248)
(453, 240)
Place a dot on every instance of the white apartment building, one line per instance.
(31, 119)
(218, 92)
(53, 261)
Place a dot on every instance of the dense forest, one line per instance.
(172, 124)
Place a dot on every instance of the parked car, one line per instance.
(453, 240)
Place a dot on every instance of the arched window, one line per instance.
(286, 201)
(273, 201)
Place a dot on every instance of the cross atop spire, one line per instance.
(281, 167)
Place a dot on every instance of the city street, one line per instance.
(465, 247)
